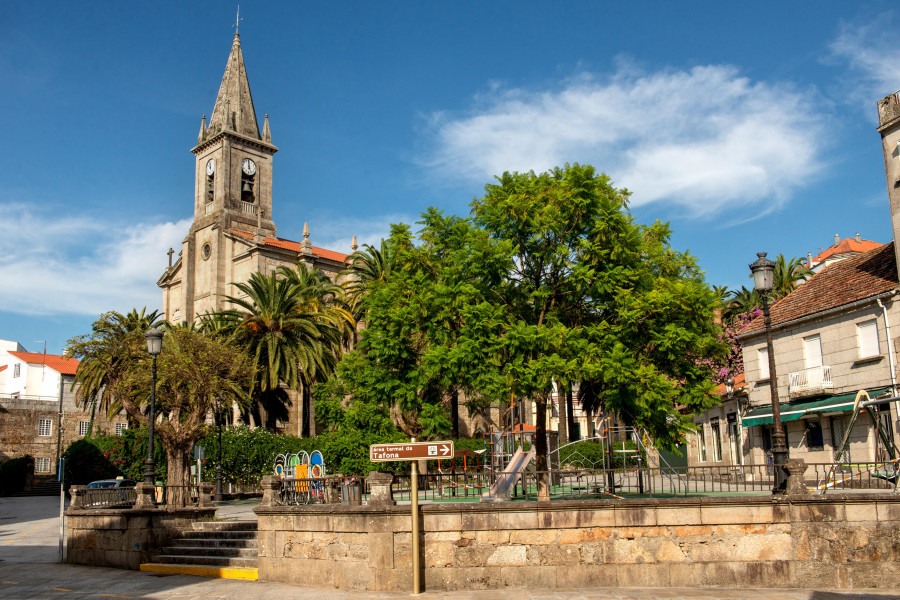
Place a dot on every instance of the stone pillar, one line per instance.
(795, 468)
(77, 493)
(205, 497)
(145, 493)
(271, 485)
(380, 493)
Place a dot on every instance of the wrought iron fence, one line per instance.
(467, 485)
(109, 497)
(731, 480)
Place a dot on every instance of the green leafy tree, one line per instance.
(194, 370)
(788, 275)
(550, 280)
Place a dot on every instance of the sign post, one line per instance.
(413, 451)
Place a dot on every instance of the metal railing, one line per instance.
(179, 495)
(648, 482)
(109, 497)
(464, 485)
(812, 379)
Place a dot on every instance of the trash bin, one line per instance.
(350, 493)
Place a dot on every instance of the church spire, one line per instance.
(234, 105)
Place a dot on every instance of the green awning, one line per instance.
(793, 411)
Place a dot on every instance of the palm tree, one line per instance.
(103, 358)
(270, 323)
(322, 299)
(742, 302)
(788, 275)
(366, 267)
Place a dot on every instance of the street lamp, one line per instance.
(219, 420)
(154, 347)
(763, 271)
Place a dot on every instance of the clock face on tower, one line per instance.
(248, 167)
(210, 167)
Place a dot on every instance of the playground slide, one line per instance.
(510, 476)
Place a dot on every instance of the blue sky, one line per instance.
(748, 126)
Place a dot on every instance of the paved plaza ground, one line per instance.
(29, 541)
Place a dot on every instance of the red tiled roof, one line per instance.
(58, 363)
(856, 278)
(2, 367)
(845, 245)
(295, 247)
(739, 382)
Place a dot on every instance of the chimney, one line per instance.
(809, 260)
(837, 239)
(857, 237)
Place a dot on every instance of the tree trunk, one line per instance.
(562, 418)
(178, 478)
(454, 414)
(540, 443)
(570, 414)
(304, 395)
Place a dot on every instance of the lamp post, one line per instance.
(154, 347)
(763, 271)
(219, 420)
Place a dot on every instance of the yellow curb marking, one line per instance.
(60, 589)
(114, 596)
(38, 527)
(11, 582)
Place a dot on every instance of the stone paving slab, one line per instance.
(50, 581)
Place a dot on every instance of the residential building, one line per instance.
(36, 399)
(832, 337)
(841, 249)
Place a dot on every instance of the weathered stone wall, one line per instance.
(836, 541)
(19, 426)
(123, 538)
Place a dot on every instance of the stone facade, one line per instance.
(846, 541)
(850, 372)
(124, 538)
(21, 432)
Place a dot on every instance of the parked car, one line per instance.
(109, 492)
(110, 483)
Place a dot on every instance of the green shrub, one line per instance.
(85, 462)
(14, 474)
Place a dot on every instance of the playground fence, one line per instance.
(732, 480)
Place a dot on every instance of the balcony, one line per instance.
(810, 382)
(248, 208)
(210, 208)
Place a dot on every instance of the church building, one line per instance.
(233, 234)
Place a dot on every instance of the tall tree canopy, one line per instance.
(195, 371)
(549, 280)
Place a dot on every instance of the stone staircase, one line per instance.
(48, 487)
(226, 549)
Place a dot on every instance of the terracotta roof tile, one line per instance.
(60, 364)
(856, 278)
(295, 247)
(739, 382)
(845, 245)
(2, 367)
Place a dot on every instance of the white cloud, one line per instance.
(706, 138)
(873, 55)
(56, 264)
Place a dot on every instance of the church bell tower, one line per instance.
(233, 170)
